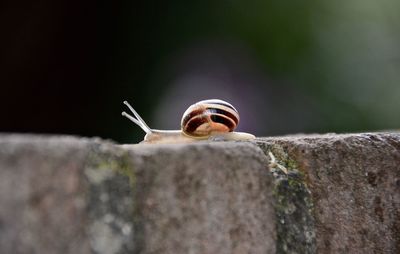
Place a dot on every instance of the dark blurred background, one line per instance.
(287, 66)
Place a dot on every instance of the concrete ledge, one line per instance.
(75, 195)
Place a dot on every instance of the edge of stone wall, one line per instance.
(309, 216)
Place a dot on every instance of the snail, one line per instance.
(205, 120)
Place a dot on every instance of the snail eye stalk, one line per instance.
(136, 119)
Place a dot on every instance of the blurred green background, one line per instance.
(287, 66)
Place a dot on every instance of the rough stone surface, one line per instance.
(41, 195)
(70, 195)
(354, 182)
(204, 198)
(75, 195)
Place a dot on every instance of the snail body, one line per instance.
(205, 120)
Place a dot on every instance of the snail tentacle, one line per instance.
(138, 120)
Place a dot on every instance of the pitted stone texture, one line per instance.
(42, 206)
(203, 198)
(355, 185)
(74, 195)
(57, 196)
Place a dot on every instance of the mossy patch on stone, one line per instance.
(293, 204)
(116, 162)
(111, 203)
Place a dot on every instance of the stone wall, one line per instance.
(319, 194)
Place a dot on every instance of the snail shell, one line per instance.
(208, 117)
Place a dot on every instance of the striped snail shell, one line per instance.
(208, 117)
